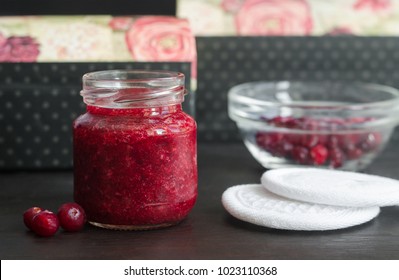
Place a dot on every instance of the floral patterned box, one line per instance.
(291, 17)
(96, 39)
(59, 39)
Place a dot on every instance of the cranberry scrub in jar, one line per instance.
(135, 150)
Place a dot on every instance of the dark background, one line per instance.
(87, 7)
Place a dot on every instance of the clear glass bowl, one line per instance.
(340, 125)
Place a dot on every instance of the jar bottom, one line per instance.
(133, 227)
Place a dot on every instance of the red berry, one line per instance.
(349, 140)
(371, 142)
(45, 223)
(288, 122)
(72, 217)
(268, 141)
(337, 157)
(294, 138)
(323, 139)
(319, 154)
(333, 141)
(310, 141)
(316, 148)
(352, 152)
(286, 147)
(29, 215)
(300, 154)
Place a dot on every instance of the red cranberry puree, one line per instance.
(135, 166)
(314, 147)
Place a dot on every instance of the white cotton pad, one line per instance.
(332, 187)
(255, 204)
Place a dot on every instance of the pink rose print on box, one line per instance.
(3, 40)
(161, 38)
(373, 5)
(231, 6)
(274, 17)
(120, 23)
(18, 49)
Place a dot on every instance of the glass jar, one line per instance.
(135, 160)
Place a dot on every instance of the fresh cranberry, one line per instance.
(286, 147)
(315, 148)
(323, 139)
(319, 154)
(45, 223)
(288, 122)
(268, 141)
(281, 148)
(333, 141)
(300, 154)
(353, 152)
(350, 140)
(72, 217)
(310, 141)
(337, 157)
(30, 214)
(293, 138)
(371, 142)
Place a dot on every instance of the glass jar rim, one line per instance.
(112, 78)
(133, 88)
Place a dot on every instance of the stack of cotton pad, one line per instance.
(311, 199)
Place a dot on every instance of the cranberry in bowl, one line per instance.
(338, 125)
(135, 150)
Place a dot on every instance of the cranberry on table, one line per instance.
(45, 223)
(29, 215)
(71, 216)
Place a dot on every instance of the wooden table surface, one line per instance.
(208, 233)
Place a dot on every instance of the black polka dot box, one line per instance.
(38, 103)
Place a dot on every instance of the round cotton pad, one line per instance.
(332, 187)
(255, 204)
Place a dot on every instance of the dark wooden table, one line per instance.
(208, 233)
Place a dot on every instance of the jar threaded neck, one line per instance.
(133, 88)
